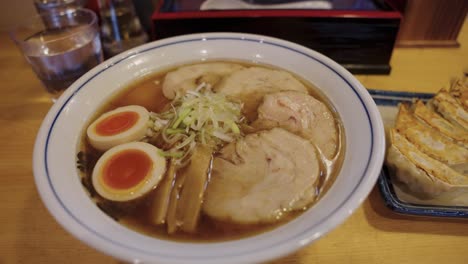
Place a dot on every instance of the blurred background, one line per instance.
(13, 12)
(371, 38)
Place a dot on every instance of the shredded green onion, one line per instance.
(183, 114)
(199, 116)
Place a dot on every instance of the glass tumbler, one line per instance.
(60, 52)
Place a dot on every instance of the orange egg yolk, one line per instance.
(126, 169)
(116, 123)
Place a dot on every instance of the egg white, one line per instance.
(149, 182)
(136, 132)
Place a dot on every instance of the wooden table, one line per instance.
(373, 234)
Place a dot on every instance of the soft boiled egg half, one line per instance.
(121, 125)
(128, 171)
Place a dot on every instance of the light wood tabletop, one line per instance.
(373, 234)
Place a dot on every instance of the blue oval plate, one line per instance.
(387, 102)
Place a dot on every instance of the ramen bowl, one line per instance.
(58, 141)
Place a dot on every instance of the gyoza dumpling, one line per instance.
(422, 174)
(429, 140)
(437, 122)
(450, 109)
(459, 91)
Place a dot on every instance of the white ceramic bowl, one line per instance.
(57, 144)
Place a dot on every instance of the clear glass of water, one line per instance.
(60, 46)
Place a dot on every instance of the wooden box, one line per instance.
(358, 34)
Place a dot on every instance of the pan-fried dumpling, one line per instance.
(428, 140)
(437, 122)
(450, 109)
(422, 174)
(459, 91)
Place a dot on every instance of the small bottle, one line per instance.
(120, 27)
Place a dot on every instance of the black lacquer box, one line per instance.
(358, 34)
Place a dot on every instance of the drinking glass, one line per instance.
(58, 5)
(60, 46)
(120, 27)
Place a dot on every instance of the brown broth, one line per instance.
(208, 230)
(147, 92)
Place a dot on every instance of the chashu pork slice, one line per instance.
(190, 77)
(429, 117)
(301, 114)
(261, 177)
(251, 84)
(422, 174)
(428, 140)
